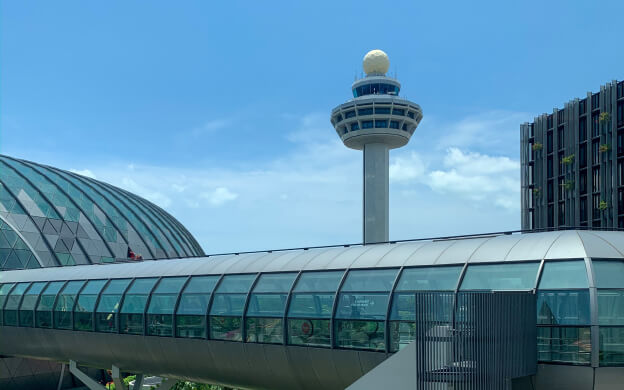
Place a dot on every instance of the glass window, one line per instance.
(131, 317)
(398, 111)
(269, 295)
(311, 306)
(4, 291)
(381, 124)
(367, 124)
(265, 330)
(228, 305)
(12, 304)
(355, 126)
(370, 280)
(514, 276)
(564, 345)
(394, 124)
(108, 307)
(609, 274)
(365, 111)
(362, 309)
(27, 307)
(350, 114)
(560, 307)
(43, 315)
(382, 110)
(309, 332)
(85, 306)
(361, 335)
(64, 305)
(564, 275)
(161, 306)
(193, 307)
(429, 279)
(611, 307)
(611, 346)
(319, 281)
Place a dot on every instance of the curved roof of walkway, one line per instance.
(497, 248)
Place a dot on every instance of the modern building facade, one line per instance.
(572, 163)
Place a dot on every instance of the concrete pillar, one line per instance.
(376, 189)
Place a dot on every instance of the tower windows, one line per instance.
(355, 126)
(381, 124)
(398, 111)
(349, 114)
(394, 124)
(365, 111)
(367, 124)
(382, 110)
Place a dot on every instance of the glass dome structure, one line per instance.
(50, 217)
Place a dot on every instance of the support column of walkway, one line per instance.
(166, 384)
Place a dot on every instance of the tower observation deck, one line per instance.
(375, 121)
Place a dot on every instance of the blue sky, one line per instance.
(219, 111)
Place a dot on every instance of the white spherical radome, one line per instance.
(376, 62)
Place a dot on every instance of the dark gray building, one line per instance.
(573, 163)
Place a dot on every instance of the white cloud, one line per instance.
(495, 180)
(219, 196)
(310, 194)
(407, 168)
(150, 194)
(83, 172)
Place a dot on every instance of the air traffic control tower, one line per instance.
(375, 121)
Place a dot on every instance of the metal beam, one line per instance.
(84, 378)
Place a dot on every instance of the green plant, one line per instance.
(605, 147)
(602, 205)
(536, 191)
(568, 185)
(537, 146)
(568, 159)
(604, 117)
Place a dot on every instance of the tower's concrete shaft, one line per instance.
(375, 121)
(376, 190)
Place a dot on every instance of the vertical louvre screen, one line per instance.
(490, 340)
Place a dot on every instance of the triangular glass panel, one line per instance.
(39, 221)
(52, 239)
(48, 228)
(10, 236)
(69, 243)
(20, 244)
(29, 226)
(63, 258)
(4, 255)
(73, 226)
(4, 243)
(33, 263)
(81, 233)
(12, 262)
(57, 223)
(60, 247)
(23, 257)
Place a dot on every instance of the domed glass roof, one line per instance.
(50, 217)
